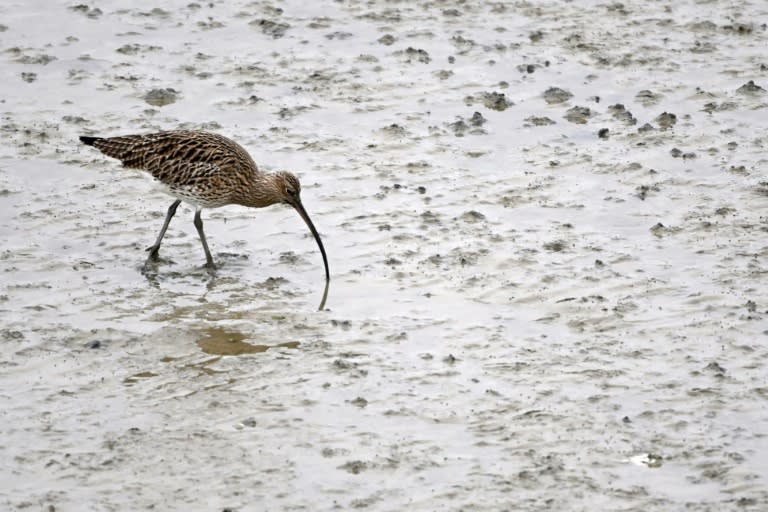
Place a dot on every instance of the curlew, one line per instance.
(206, 170)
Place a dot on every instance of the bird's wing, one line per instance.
(178, 157)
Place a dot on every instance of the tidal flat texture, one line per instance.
(547, 227)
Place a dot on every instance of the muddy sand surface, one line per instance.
(546, 224)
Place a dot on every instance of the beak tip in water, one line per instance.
(325, 296)
(304, 215)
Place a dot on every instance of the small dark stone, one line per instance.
(555, 95)
(496, 101)
(643, 190)
(618, 111)
(738, 169)
(12, 335)
(578, 115)
(344, 324)
(161, 97)
(354, 466)
(666, 120)
(648, 98)
(271, 28)
(387, 39)
(555, 246)
(750, 88)
(472, 216)
(603, 133)
(477, 119)
(539, 121)
(647, 127)
(338, 35)
(459, 127)
(715, 367)
(418, 55)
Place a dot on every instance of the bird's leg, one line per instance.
(153, 250)
(199, 226)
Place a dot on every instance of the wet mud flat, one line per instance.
(547, 239)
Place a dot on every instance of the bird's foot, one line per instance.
(153, 253)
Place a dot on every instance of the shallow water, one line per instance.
(524, 311)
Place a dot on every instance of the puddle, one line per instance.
(222, 342)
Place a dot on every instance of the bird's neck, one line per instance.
(262, 190)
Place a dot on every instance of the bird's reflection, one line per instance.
(225, 342)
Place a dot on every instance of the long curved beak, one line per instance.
(304, 215)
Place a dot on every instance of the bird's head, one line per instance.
(288, 188)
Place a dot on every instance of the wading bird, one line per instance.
(208, 171)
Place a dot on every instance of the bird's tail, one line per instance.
(130, 149)
(89, 141)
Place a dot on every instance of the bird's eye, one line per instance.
(290, 191)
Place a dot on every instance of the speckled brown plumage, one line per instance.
(207, 170)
